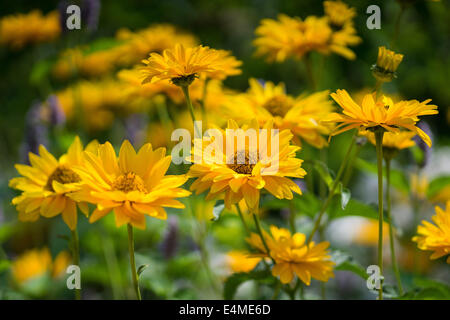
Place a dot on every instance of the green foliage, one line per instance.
(234, 281)
(436, 185)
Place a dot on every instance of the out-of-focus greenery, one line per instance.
(424, 73)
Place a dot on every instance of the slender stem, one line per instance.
(247, 230)
(276, 291)
(379, 147)
(292, 212)
(397, 25)
(263, 240)
(309, 71)
(134, 275)
(391, 233)
(76, 257)
(332, 190)
(191, 109)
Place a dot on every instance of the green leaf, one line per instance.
(233, 282)
(324, 172)
(345, 195)
(141, 269)
(218, 209)
(398, 178)
(436, 185)
(40, 71)
(354, 208)
(345, 262)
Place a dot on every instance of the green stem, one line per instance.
(276, 291)
(202, 104)
(263, 240)
(391, 233)
(309, 71)
(76, 257)
(397, 25)
(292, 216)
(332, 190)
(134, 275)
(191, 110)
(351, 162)
(379, 132)
(247, 230)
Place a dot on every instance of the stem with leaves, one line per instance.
(76, 257)
(134, 274)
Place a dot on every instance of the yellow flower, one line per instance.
(380, 113)
(241, 261)
(133, 185)
(435, 237)
(387, 63)
(293, 256)
(47, 183)
(37, 262)
(391, 140)
(338, 12)
(182, 65)
(269, 102)
(291, 37)
(16, 31)
(367, 234)
(249, 169)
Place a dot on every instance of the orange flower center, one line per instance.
(243, 162)
(63, 175)
(129, 181)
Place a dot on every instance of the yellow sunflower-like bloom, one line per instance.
(241, 261)
(387, 63)
(435, 237)
(391, 140)
(269, 102)
(292, 37)
(37, 262)
(47, 183)
(293, 256)
(182, 65)
(338, 12)
(16, 31)
(380, 113)
(249, 169)
(132, 185)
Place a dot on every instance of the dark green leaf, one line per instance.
(436, 185)
(345, 262)
(324, 172)
(234, 281)
(141, 269)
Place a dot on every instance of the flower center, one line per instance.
(63, 175)
(129, 181)
(243, 162)
(277, 105)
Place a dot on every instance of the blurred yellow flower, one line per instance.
(132, 185)
(435, 237)
(293, 256)
(47, 183)
(38, 262)
(338, 12)
(258, 169)
(382, 113)
(292, 37)
(241, 261)
(16, 31)
(182, 65)
(269, 102)
(367, 233)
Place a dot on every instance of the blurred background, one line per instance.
(31, 77)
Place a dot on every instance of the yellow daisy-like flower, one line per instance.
(391, 140)
(387, 63)
(338, 12)
(241, 261)
(269, 102)
(16, 31)
(132, 185)
(293, 37)
(47, 183)
(435, 237)
(293, 256)
(250, 168)
(182, 65)
(382, 113)
(37, 262)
